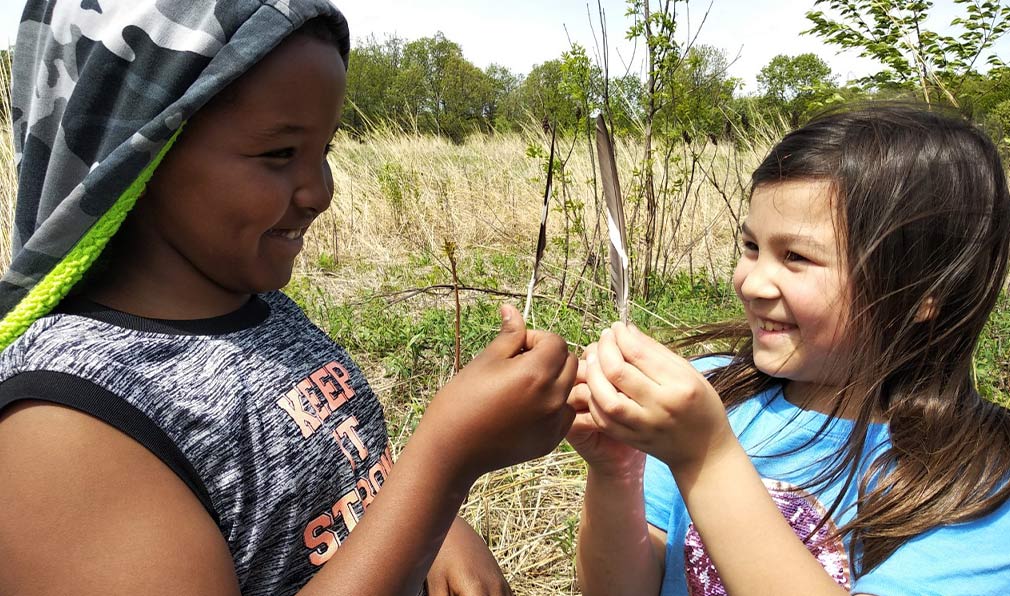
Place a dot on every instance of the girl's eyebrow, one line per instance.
(780, 239)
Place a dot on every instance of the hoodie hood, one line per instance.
(100, 91)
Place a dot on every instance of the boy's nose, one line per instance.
(316, 190)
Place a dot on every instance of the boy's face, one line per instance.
(227, 210)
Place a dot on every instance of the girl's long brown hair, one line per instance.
(924, 215)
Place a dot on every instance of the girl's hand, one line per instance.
(644, 395)
(604, 454)
(465, 567)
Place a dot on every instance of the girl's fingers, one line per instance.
(583, 425)
(623, 375)
(578, 397)
(580, 376)
(613, 411)
(654, 360)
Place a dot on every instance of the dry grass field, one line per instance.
(376, 274)
(398, 200)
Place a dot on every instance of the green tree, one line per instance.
(894, 33)
(500, 113)
(373, 69)
(441, 91)
(796, 85)
(542, 93)
(701, 89)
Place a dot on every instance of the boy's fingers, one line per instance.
(548, 348)
(511, 337)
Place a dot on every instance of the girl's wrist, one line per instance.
(721, 453)
(618, 475)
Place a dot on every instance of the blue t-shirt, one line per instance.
(970, 558)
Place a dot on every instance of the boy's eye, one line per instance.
(329, 149)
(285, 153)
(749, 246)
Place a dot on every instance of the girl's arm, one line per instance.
(618, 552)
(647, 396)
(751, 543)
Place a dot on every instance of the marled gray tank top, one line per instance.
(268, 421)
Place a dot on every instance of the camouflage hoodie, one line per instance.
(101, 89)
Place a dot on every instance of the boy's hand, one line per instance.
(604, 454)
(648, 397)
(465, 567)
(508, 405)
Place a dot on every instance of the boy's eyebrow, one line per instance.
(285, 128)
(281, 130)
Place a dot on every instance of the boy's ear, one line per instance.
(927, 310)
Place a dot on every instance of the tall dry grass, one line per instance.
(398, 196)
(8, 174)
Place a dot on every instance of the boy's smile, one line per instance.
(226, 213)
(792, 282)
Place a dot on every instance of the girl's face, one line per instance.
(793, 283)
(226, 212)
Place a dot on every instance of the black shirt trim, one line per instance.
(251, 314)
(87, 397)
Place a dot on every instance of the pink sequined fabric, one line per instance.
(803, 511)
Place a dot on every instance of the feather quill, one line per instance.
(615, 218)
(542, 237)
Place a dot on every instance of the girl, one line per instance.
(176, 425)
(843, 447)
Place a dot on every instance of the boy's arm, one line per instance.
(87, 510)
(465, 565)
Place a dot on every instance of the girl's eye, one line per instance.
(329, 149)
(285, 153)
(749, 246)
(795, 257)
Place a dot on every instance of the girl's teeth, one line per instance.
(772, 326)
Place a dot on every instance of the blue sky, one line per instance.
(521, 33)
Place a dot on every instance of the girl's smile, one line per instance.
(792, 282)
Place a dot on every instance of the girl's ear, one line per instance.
(927, 310)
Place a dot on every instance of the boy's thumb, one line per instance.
(512, 336)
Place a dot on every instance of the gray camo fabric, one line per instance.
(99, 87)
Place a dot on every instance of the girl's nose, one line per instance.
(757, 281)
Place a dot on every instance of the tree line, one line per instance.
(428, 86)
